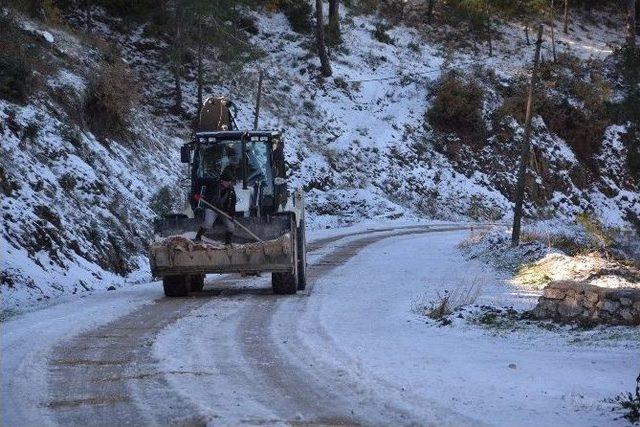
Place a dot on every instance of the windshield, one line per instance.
(215, 158)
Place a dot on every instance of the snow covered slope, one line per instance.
(75, 206)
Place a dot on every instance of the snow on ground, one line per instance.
(26, 340)
(558, 379)
(359, 322)
(355, 141)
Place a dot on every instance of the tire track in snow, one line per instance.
(108, 375)
(310, 391)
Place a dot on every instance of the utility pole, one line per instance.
(553, 34)
(525, 147)
(257, 112)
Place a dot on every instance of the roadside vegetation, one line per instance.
(464, 293)
(629, 404)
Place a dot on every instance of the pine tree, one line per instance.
(325, 66)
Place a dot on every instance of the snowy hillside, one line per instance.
(76, 205)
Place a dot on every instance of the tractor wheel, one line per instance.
(197, 282)
(284, 283)
(175, 286)
(302, 257)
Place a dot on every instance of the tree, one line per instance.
(430, 9)
(566, 17)
(553, 33)
(176, 55)
(325, 66)
(486, 4)
(631, 24)
(200, 68)
(525, 147)
(334, 16)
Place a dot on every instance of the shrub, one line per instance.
(599, 236)
(628, 64)
(163, 201)
(16, 76)
(130, 10)
(111, 96)
(445, 303)
(457, 107)
(298, 13)
(581, 126)
(630, 403)
(380, 33)
(364, 7)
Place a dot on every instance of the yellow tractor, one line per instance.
(270, 232)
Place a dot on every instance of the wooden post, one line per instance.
(553, 34)
(566, 17)
(525, 146)
(257, 112)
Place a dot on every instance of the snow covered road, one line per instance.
(348, 350)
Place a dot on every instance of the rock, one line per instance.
(512, 366)
(573, 301)
(592, 297)
(626, 315)
(567, 309)
(626, 301)
(111, 288)
(553, 293)
(610, 306)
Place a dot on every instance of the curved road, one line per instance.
(249, 362)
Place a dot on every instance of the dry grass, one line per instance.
(464, 292)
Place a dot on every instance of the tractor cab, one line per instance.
(256, 159)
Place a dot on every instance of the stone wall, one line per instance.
(570, 301)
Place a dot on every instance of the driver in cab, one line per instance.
(219, 193)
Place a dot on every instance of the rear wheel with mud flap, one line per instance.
(175, 286)
(197, 282)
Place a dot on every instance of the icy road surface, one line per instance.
(348, 350)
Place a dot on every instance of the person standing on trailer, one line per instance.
(224, 199)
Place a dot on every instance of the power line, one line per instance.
(422, 73)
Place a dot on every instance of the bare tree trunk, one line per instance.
(525, 147)
(430, 10)
(526, 33)
(258, 98)
(486, 5)
(334, 15)
(176, 59)
(566, 17)
(325, 66)
(553, 32)
(631, 24)
(200, 70)
(88, 24)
